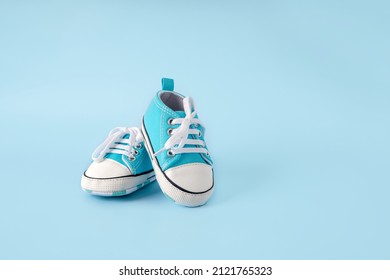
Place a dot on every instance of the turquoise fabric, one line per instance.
(140, 165)
(167, 84)
(156, 125)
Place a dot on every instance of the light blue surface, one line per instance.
(295, 98)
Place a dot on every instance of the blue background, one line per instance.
(295, 97)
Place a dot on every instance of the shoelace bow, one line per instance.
(115, 143)
(180, 136)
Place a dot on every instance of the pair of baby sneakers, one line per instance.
(169, 147)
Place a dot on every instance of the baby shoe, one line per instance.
(174, 139)
(120, 164)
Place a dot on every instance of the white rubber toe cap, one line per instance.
(193, 177)
(107, 169)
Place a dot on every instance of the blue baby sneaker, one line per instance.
(174, 139)
(120, 164)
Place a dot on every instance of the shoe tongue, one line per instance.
(181, 114)
(188, 106)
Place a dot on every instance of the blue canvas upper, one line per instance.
(156, 125)
(141, 163)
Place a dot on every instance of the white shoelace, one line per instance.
(180, 136)
(115, 143)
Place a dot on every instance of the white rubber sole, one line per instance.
(116, 186)
(171, 191)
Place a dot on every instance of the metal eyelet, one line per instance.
(170, 121)
(132, 158)
(136, 152)
(169, 131)
(138, 146)
(170, 153)
(200, 134)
